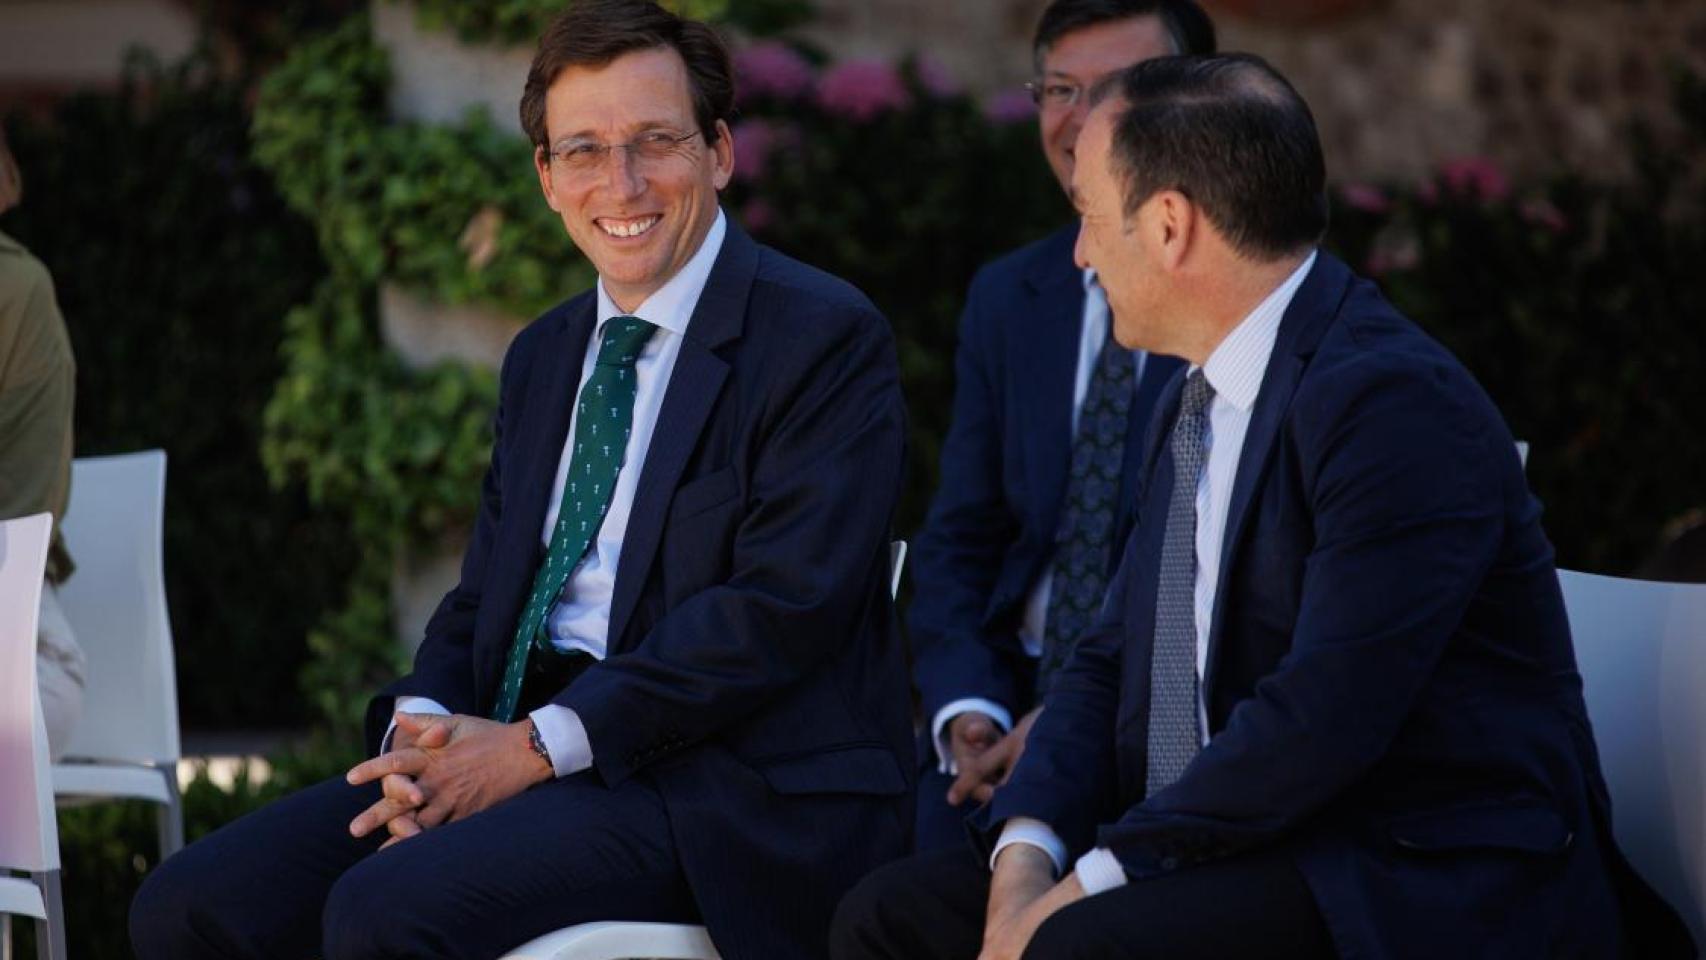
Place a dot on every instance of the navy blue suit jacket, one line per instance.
(991, 527)
(1390, 686)
(754, 672)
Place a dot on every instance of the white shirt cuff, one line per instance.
(1099, 871)
(565, 738)
(939, 726)
(410, 705)
(1036, 833)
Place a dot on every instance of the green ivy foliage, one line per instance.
(404, 449)
(174, 261)
(396, 200)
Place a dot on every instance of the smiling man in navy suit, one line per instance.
(668, 685)
(1048, 424)
(1331, 707)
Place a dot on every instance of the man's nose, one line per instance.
(622, 172)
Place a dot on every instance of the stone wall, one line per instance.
(1397, 87)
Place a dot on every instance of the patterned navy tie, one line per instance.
(1086, 531)
(1175, 734)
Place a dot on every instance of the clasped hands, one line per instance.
(983, 757)
(444, 768)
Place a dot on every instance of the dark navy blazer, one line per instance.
(991, 527)
(1390, 685)
(754, 673)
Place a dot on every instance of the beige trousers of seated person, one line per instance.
(59, 673)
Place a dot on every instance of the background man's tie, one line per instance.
(604, 418)
(1174, 732)
(1086, 531)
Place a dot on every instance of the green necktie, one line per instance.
(604, 419)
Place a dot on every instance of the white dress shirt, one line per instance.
(1092, 333)
(1235, 370)
(580, 620)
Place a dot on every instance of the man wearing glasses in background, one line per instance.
(668, 686)
(1048, 426)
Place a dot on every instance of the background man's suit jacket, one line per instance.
(992, 523)
(1390, 681)
(754, 672)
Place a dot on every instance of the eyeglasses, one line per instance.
(587, 156)
(1055, 94)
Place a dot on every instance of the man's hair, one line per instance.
(592, 33)
(1189, 28)
(11, 181)
(1230, 133)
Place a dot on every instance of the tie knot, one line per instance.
(624, 338)
(1196, 396)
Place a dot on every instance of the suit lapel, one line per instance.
(1306, 319)
(693, 388)
(530, 474)
(545, 428)
(1046, 354)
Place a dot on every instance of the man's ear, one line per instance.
(722, 156)
(1178, 221)
(542, 165)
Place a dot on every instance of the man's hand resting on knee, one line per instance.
(446, 768)
(1022, 894)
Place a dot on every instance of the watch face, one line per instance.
(537, 742)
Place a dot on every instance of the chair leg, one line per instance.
(5, 936)
(50, 933)
(170, 816)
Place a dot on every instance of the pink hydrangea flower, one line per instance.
(1010, 106)
(771, 69)
(753, 142)
(936, 79)
(1391, 257)
(1478, 178)
(1364, 197)
(861, 90)
(1542, 213)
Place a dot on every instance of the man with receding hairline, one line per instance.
(668, 685)
(1041, 455)
(1331, 707)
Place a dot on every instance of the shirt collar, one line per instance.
(671, 305)
(1235, 368)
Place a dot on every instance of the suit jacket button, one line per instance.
(1169, 863)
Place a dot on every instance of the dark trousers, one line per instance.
(931, 907)
(288, 881)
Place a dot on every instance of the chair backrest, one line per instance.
(29, 837)
(1641, 647)
(116, 604)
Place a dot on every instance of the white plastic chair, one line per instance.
(125, 745)
(621, 940)
(1641, 647)
(29, 837)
